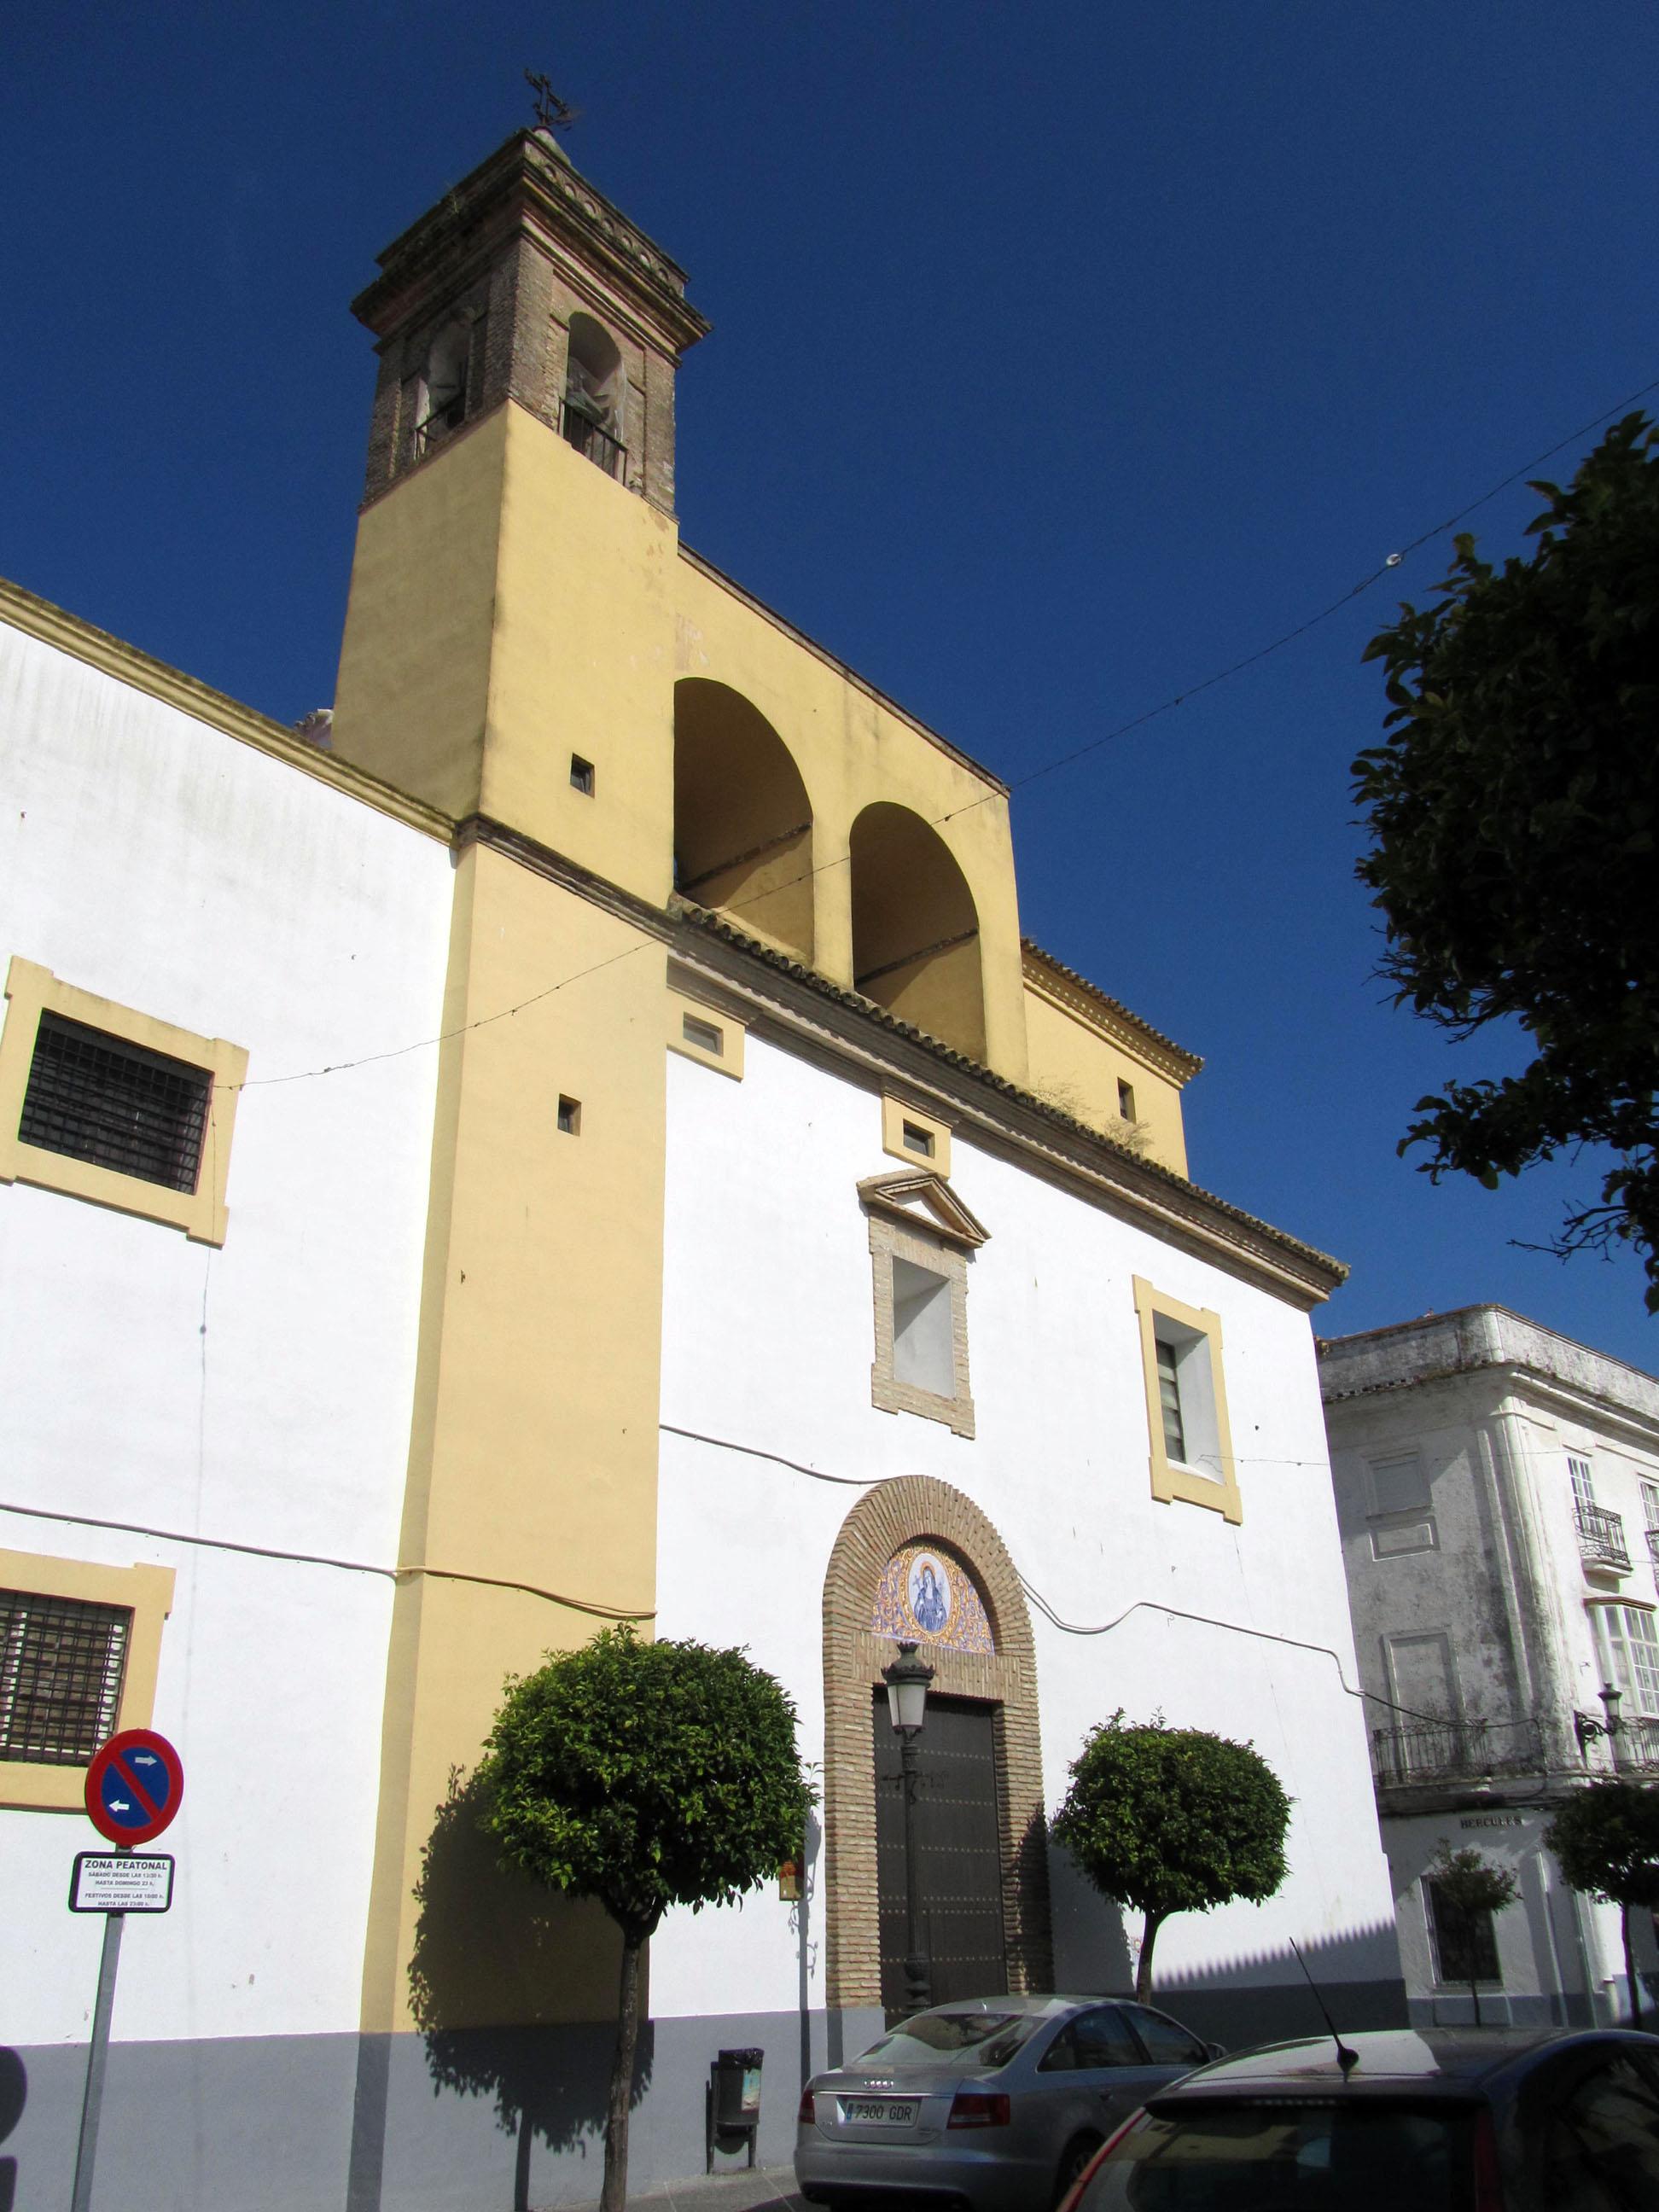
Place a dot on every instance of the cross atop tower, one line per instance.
(552, 113)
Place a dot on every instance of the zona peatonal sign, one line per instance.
(134, 1786)
(121, 1881)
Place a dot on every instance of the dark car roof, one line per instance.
(1431, 2064)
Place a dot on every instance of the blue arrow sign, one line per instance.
(135, 1788)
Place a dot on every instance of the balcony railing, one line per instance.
(581, 430)
(1600, 1536)
(433, 429)
(1653, 1544)
(1454, 1750)
(1637, 1745)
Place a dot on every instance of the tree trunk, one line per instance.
(1630, 1968)
(614, 2195)
(1144, 1971)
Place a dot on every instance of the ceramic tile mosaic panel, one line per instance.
(925, 1595)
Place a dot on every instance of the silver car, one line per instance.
(998, 2103)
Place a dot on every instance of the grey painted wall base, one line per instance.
(480, 2120)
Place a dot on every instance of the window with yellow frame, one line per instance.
(101, 1103)
(1191, 1441)
(80, 1647)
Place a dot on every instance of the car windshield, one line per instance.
(1288, 2156)
(994, 2037)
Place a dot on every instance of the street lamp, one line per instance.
(1587, 1729)
(907, 1681)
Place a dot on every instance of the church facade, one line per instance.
(585, 1140)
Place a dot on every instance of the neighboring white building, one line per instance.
(1498, 1487)
(582, 1138)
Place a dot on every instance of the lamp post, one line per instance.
(1587, 1729)
(907, 1681)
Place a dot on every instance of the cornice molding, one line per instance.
(528, 184)
(55, 626)
(855, 1031)
(1048, 978)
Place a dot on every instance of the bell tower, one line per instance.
(525, 284)
(508, 641)
(508, 660)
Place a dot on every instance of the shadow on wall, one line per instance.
(1259, 1998)
(489, 1946)
(1264, 1997)
(14, 2095)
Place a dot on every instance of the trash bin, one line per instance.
(734, 2102)
(738, 2091)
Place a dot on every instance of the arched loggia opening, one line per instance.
(915, 929)
(743, 823)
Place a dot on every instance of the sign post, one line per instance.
(134, 1785)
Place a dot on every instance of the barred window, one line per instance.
(1465, 1944)
(62, 1664)
(102, 1098)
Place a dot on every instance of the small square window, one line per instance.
(909, 1133)
(707, 1037)
(581, 775)
(1126, 1101)
(98, 1097)
(61, 1665)
(570, 1117)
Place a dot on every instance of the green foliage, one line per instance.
(1607, 1840)
(1469, 1882)
(646, 1774)
(1174, 1819)
(1514, 810)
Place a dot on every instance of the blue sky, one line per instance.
(1062, 356)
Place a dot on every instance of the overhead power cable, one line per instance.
(1048, 767)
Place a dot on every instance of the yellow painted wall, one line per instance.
(510, 607)
(1076, 1067)
(853, 750)
(533, 1452)
(412, 695)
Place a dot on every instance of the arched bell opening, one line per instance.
(594, 419)
(440, 388)
(915, 928)
(742, 823)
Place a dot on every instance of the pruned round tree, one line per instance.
(1170, 1820)
(1606, 1840)
(644, 1775)
(1514, 808)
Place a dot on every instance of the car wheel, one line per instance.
(1077, 2155)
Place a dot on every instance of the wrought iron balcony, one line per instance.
(1637, 1745)
(581, 430)
(434, 428)
(1447, 1751)
(1653, 1544)
(1600, 1536)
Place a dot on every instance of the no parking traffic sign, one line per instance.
(134, 1785)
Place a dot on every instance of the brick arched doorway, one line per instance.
(889, 1521)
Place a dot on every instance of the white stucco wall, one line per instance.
(767, 1340)
(256, 1395)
